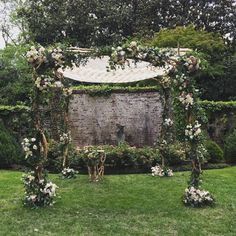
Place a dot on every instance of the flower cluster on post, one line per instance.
(38, 190)
(38, 193)
(30, 147)
(193, 131)
(48, 85)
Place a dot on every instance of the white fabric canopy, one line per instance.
(95, 71)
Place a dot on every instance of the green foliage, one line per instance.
(175, 153)
(55, 156)
(8, 110)
(123, 157)
(106, 90)
(219, 73)
(215, 153)
(189, 37)
(15, 76)
(89, 23)
(215, 106)
(230, 148)
(10, 151)
(17, 119)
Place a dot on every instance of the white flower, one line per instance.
(168, 122)
(133, 44)
(193, 131)
(31, 178)
(158, 171)
(197, 197)
(65, 138)
(35, 147)
(119, 49)
(26, 149)
(41, 50)
(58, 84)
(122, 53)
(186, 99)
(26, 140)
(33, 139)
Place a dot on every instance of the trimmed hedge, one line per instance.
(122, 157)
(8, 110)
(218, 106)
(106, 90)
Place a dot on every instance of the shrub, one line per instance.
(175, 154)
(54, 159)
(215, 153)
(10, 150)
(123, 157)
(230, 147)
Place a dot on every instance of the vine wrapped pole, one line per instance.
(180, 70)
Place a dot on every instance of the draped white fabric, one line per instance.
(95, 71)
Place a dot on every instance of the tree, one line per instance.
(220, 74)
(188, 37)
(97, 22)
(15, 75)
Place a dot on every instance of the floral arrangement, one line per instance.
(67, 92)
(159, 171)
(57, 55)
(36, 56)
(197, 198)
(65, 138)
(192, 132)
(30, 147)
(93, 155)
(168, 122)
(43, 82)
(48, 89)
(68, 173)
(186, 99)
(38, 192)
(165, 82)
(192, 63)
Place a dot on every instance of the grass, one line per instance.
(121, 205)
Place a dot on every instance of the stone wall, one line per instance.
(134, 117)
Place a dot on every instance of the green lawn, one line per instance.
(121, 205)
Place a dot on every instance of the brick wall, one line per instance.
(133, 117)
